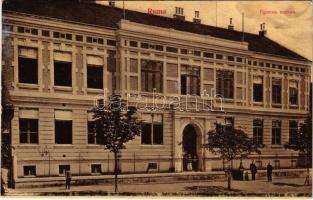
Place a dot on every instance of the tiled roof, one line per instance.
(101, 15)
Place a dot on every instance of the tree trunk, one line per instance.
(229, 179)
(115, 172)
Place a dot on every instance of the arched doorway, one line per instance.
(191, 147)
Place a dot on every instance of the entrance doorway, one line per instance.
(190, 149)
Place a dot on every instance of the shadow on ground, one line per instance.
(288, 184)
(211, 189)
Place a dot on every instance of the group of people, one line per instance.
(254, 170)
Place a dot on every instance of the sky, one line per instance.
(292, 29)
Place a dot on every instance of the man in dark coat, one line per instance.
(68, 178)
(269, 172)
(253, 170)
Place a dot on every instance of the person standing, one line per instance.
(241, 170)
(253, 170)
(68, 179)
(269, 172)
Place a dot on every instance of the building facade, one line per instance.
(55, 68)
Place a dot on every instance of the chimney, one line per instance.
(262, 32)
(112, 3)
(179, 13)
(230, 26)
(196, 19)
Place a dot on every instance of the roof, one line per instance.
(106, 16)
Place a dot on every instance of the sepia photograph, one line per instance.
(145, 99)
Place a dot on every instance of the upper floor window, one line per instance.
(225, 83)
(258, 89)
(172, 49)
(293, 132)
(27, 65)
(276, 91)
(293, 92)
(151, 76)
(276, 132)
(95, 72)
(258, 131)
(179, 11)
(63, 127)
(63, 169)
(190, 80)
(63, 69)
(152, 129)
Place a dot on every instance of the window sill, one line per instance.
(93, 90)
(276, 105)
(94, 146)
(63, 88)
(29, 176)
(276, 146)
(259, 103)
(294, 106)
(28, 85)
(28, 145)
(152, 145)
(63, 145)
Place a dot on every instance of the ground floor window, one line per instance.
(30, 170)
(28, 131)
(293, 131)
(63, 132)
(152, 129)
(276, 132)
(258, 131)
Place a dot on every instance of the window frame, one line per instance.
(276, 95)
(152, 127)
(258, 131)
(101, 78)
(28, 132)
(276, 132)
(55, 131)
(146, 72)
(55, 77)
(222, 83)
(293, 132)
(20, 74)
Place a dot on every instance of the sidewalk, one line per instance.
(279, 187)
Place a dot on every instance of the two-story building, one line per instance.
(58, 57)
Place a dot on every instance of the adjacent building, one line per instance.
(58, 57)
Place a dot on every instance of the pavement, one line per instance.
(278, 187)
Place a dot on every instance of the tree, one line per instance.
(116, 124)
(303, 144)
(230, 143)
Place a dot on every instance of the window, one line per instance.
(258, 89)
(268, 65)
(159, 47)
(276, 132)
(111, 61)
(7, 27)
(190, 80)
(276, 91)
(225, 83)
(133, 44)
(63, 169)
(197, 53)
(151, 75)
(172, 49)
(45, 33)
(96, 168)
(293, 132)
(144, 45)
(28, 131)
(89, 39)
(79, 38)
(93, 137)
(56, 34)
(62, 69)
(184, 51)
(111, 42)
(230, 58)
(293, 92)
(152, 129)
(208, 55)
(196, 14)
(63, 127)
(179, 11)
(68, 36)
(219, 56)
(257, 131)
(20, 29)
(95, 72)
(239, 59)
(29, 170)
(27, 65)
